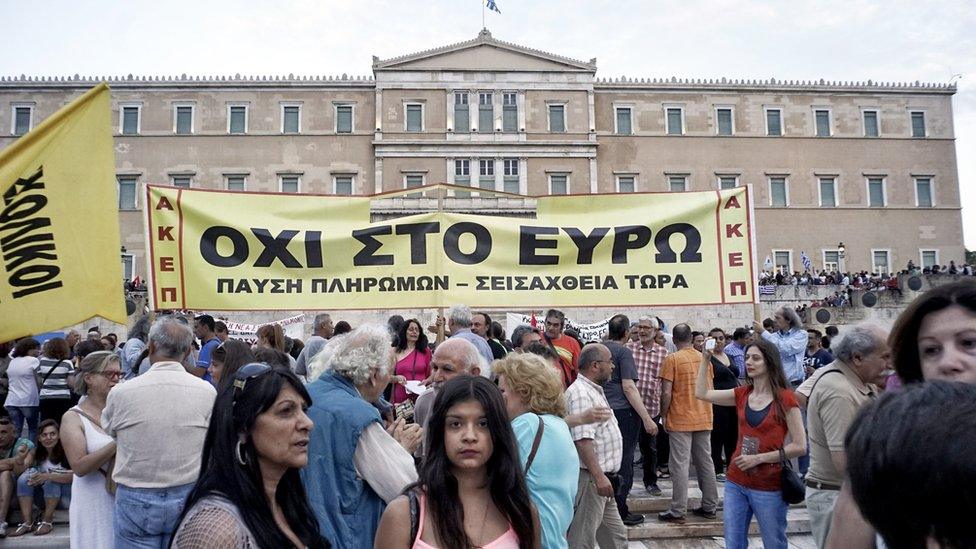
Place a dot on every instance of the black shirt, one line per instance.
(723, 377)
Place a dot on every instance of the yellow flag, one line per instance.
(59, 225)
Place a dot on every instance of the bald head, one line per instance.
(455, 357)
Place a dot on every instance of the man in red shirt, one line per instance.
(566, 347)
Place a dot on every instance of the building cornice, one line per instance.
(484, 38)
(626, 84)
(189, 82)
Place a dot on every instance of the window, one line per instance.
(23, 116)
(876, 192)
(462, 176)
(675, 120)
(343, 118)
(557, 118)
(236, 182)
(558, 183)
(415, 117)
(462, 124)
(677, 183)
(626, 183)
(486, 113)
(486, 174)
(822, 122)
(181, 181)
(289, 183)
(509, 112)
(723, 118)
(774, 122)
(783, 261)
(511, 175)
(129, 124)
(412, 180)
(778, 197)
(831, 260)
(929, 257)
(880, 261)
(183, 119)
(918, 124)
(923, 192)
(342, 184)
(828, 192)
(127, 192)
(728, 181)
(291, 116)
(237, 119)
(623, 121)
(128, 266)
(871, 128)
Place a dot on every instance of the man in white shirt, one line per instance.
(159, 421)
(600, 448)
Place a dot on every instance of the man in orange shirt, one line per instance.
(566, 347)
(688, 422)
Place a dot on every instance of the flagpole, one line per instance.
(483, 15)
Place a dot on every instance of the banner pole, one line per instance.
(440, 210)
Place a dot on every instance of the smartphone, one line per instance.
(710, 344)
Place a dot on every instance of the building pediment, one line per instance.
(484, 53)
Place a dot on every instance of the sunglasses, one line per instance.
(248, 372)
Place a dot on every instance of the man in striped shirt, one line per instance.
(648, 357)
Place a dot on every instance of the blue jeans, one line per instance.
(24, 414)
(770, 510)
(146, 517)
(49, 490)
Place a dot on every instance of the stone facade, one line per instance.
(513, 139)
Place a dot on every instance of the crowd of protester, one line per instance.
(452, 435)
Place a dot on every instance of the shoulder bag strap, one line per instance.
(87, 416)
(535, 444)
(818, 381)
(49, 372)
(414, 514)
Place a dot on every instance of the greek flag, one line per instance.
(493, 6)
(769, 289)
(807, 264)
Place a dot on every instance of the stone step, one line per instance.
(60, 517)
(56, 539)
(797, 522)
(642, 502)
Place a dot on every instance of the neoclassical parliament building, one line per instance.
(868, 164)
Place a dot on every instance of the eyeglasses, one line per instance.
(247, 373)
(116, 375)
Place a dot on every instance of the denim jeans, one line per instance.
(24, 414)
(630, 429)
(146, 517)
(770, 510)
(50, 490)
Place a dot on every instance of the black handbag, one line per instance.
(790, 484)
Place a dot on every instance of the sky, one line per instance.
(891, 40)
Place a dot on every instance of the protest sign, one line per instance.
(222, 250)
(59, 222)
(293, 327)
(593, 331)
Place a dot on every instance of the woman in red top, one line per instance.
(413, 358)
(767, 412)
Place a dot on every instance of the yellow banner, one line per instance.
(219, 250)
(59, 225)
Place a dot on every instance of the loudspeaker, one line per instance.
(823, 316)
(869, 299)
(914, 283)
(130, 306)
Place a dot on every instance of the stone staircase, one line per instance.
(696, 528)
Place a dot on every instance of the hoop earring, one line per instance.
(240, 456)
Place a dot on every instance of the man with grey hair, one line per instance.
(159, 421)
(452, 358)
(459, 324)
(523, 335)
(791, 340)
(322, 330)
(862, 358)
(355, 467)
